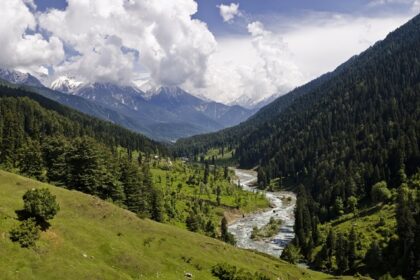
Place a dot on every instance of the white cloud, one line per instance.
(120, 40)
(322, 43)
(266, 63)
(416, 6)
(229, 12)
(252, 67)
(21, 49)
(116, 37)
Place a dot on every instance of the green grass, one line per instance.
(169, 175)
(374, 223)
(93, 239)
(225, 159)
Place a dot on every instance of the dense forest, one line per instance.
(42, 139)
(356, 128)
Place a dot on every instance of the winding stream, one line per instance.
(281, 208)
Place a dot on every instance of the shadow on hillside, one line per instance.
(363, 213)
(23, 215)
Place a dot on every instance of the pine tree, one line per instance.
(225, 173)
(192, 222)
(341, 254)
(206, 173)
(85, 166)
(406, 228)
(132, 181)
(373, 257)
(30, 160)
(224, 233)
(330, 245)
(156, 206)
(210, 229)
(352, 248)
(55, 150)
(218, 193)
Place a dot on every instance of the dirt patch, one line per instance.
(53, 238)
(232, 215)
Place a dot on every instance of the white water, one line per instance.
(281, 208)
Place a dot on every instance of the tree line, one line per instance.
(49, 142)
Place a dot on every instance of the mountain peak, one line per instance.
(19, 78)
(150, 90)
(66, 84)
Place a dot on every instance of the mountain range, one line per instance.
(161, 113)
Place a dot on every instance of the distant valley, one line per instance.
(161, 113)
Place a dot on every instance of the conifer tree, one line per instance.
(30, 160)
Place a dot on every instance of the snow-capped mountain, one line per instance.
(66, 85)
(253, 103)
(19, 78)
(163, 113)
(168, 112)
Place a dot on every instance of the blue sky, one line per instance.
(260, 9)
(231, 51)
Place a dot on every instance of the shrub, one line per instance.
(27, 233)
(40, 203)
(225, 271)
(380, 192)
(291, 254)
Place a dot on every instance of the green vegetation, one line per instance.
(267, 231)
(41, 204)
(291, 254)
(224, 271)
(345, 142)
(220, 156)
(380, 192)
(380, 240)
(39, 207)
(197, 196)
(372, 226)
(44, 140)
(25, 114)
(93, 239)
(26, 233)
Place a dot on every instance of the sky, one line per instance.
(230, 51)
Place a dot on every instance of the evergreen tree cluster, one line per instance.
(49, 142)
(26, 115)
(397, 253)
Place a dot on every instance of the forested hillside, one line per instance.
(356, 129)
(230, 137)
(42, 139)
(338, 141)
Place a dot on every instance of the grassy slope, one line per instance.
(376, 223)
(92, 239)
(367, 224)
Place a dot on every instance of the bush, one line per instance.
(291, 254)
(225, 271)
(27, 233)
(380, 192)
(40, 203)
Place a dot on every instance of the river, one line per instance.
(282, 207)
